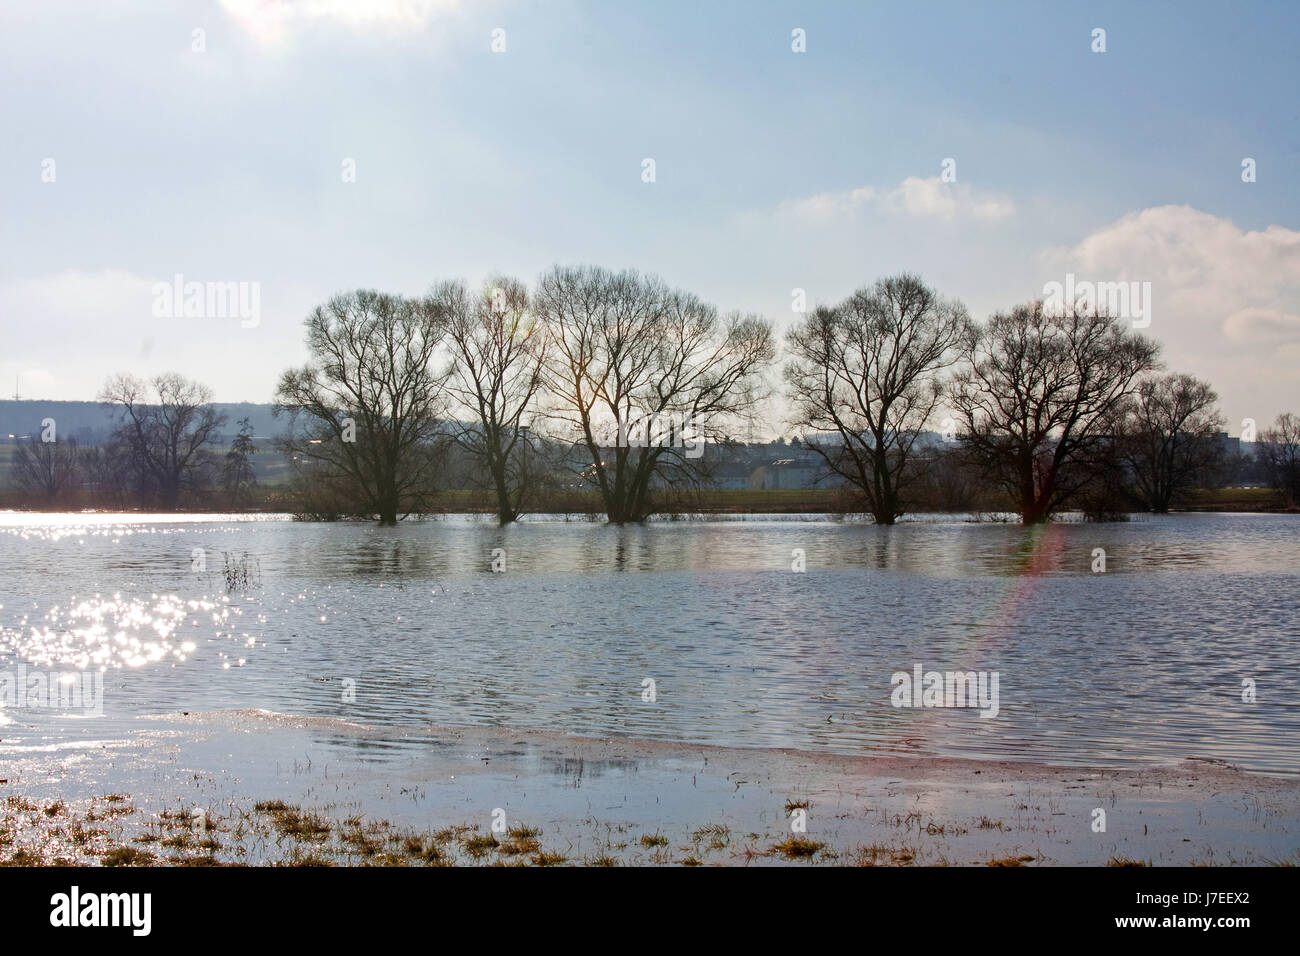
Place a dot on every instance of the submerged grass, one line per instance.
(794, 848)
(293, 822)
(111, 831)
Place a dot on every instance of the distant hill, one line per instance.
(91, 421)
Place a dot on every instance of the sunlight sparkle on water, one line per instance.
(109, 632)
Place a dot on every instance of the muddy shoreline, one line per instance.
(249, 787)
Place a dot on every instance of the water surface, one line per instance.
(410, 626)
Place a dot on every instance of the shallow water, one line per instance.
(1143, 663)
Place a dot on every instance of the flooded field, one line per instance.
(692, 631)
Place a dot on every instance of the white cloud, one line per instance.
(825, 205)
(1223, 299)
(932, 198)
(269, 21)
(919, 198)
(1205, 271)
(1261, 325)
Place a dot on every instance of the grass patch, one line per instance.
(798, 848)
(127, 856)
(22, 857)
(480, 844)
(359, 841)
(872, 855)
(517, 846)
(293, 822)
(718, 835)
(426, 850)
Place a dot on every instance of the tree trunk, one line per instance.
(506, 512)
(1035, 503)
(387, 506)
(169, 494)
(885, 512)
(1035, 510)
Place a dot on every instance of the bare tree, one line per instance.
(866, 371)
(1169, 437)
(1101, 479)
(109, 470)
(643, 375)
(1039, 396)
(366, 408)
(46, 468)
(168, 424)
(1278, 454)
(496, 377)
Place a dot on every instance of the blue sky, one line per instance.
(774, 170)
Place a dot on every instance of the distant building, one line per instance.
(731, 476)
(1229, 445)
(789, 473)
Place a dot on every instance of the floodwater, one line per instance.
(1186, 645)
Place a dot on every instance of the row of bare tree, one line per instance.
(586, 356)
(1051, 406)
(1054, 408)
(162, 449)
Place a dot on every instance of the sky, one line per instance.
(308, 147)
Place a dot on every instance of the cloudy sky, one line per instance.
(137, 149)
